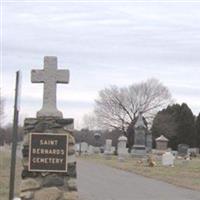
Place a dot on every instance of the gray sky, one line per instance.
(101, 44)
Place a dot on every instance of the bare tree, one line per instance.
(90, 121)
(118, 107)
(1, 109)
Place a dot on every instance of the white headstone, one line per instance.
(91, 149)
(168, 159)
(2, 148)
(122, 151)
(49, 76)
(77, 147)
(108, 149)
(122, 140)
(108, 145)
(112, 150)
(97, 150)
(193, 151)
(84, 147)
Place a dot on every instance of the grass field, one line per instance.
(184, 174)
(5, 173)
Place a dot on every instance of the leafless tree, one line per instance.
(90, 121)
(118, 107)
(1, 109)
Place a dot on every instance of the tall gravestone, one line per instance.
(97, 137)
(49, 164)
(108, 149)
(139, 147)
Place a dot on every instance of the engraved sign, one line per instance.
(48, 152)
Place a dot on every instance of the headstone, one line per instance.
(84, 147)
(97, 147)
(122, 140)
(107, 150)
(97, 150)
(168, 159)
(77, 147)
(108, 146)
(97, 137)
(183, 149)
(122, 151)
(113, 149)
(49, 164)
(162, 143)
(139, 147)
(194, 152)
(90, 150)
(2, 148)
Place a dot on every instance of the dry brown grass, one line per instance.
(184, 174)
(5, 157)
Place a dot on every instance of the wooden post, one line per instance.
(14, 139)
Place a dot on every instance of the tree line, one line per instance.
(117, 108)
(178, 124)
(6, 134)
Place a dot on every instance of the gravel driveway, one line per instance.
(99, 182)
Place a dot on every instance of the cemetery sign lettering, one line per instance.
(48, 152)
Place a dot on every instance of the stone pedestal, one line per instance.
(139, 151)
(49, 185)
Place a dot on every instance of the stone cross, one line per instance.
(50, 76)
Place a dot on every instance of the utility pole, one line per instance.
(14, 137)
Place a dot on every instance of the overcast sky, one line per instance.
(101, 44)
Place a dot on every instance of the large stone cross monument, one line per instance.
(50, 76)
(49, 164)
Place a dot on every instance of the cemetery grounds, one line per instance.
(5, 173)
(184, 173)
